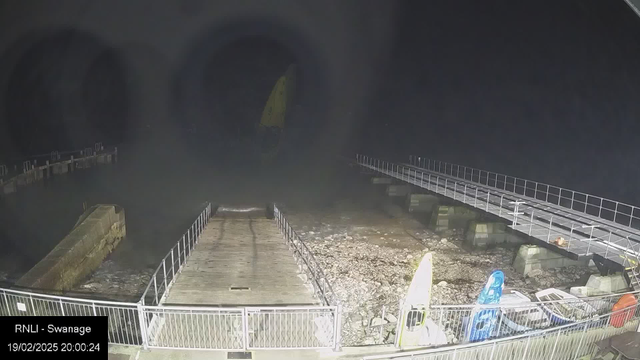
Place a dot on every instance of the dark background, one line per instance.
(545, 90)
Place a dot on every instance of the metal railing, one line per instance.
(248, 328)
(544, 222)
(570, 341)
(513, 319)
(611, 210)
(165, 275)
(306, 261)
(124, 320)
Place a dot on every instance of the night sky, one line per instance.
(546, 90)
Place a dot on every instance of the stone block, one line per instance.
(381, 180)
(610, 283)
(398, 190)
(532, 257)
(421, 203)
(451, 217)
(489, 233)
(60, 168)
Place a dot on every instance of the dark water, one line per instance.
(162, 190)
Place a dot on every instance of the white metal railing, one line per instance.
(546, 223)
(124, 320)
(306, 261)
(570, 341)
(248, 328)
(611, 210)
(516, 318)
(171, 265)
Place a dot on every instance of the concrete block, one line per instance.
(585, 291)
(398, 190)
(532, 257)
(104, 159)
(489, 233)
(99, 230)
(421, 203)
(451, 217)
(9, 187)
(60, 168)
(381, 180)
(610, 283)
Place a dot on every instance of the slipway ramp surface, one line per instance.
(241, 259)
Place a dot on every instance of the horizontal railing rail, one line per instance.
(607, 209)
(306, 261)
(247, 328)
(541, 222)
(124, 320)
(520, 318)
(171, 265)
(572, 340)
(20, 165)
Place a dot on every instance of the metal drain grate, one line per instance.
(239, 355)
(239, 288)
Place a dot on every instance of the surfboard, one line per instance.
(483, 321)
(415, 328)
(272, 123)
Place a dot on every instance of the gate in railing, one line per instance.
(251, 328)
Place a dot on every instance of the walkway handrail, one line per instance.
(530, 189)
(538, 190)
(174, 261)
(302, 254)
(609, 298)
(52, 157)
(581, 326)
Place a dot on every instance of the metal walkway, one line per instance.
(240, 260)
(592, 227)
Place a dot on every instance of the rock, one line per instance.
(311, 233)
(443, 241)
(377, 322)
(409, 256)
(391, 318)
(442, 284)
(369, 341)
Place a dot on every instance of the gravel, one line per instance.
(370, 267)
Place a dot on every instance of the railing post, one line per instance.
(577, 352)
(475, 202)
(6, 301)
(550, 222)
(526, 348)
(464, 196)
(155, 286)
(143, 325)
(245, 329)
(164, 272)
(531, 222)
(173, 269)
(179, 259)
(555, 344)
(33, 307)
(488, 196)
(338, 328)
(455, 189)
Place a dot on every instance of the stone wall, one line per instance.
(99, 230)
